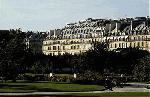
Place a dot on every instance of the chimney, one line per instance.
(131, 25)
(54, 32)
(116, 27)
(110, 28)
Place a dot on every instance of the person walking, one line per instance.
(108, 84)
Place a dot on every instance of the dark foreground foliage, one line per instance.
(16, 59)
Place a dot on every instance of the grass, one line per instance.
(24, 86)
(46, 87)
(122, 94)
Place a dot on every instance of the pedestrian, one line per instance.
(108, 84)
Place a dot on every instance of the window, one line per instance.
(122, 45)
(54, 47)
(138, 44)
(119, 45)
(126, 45)
(92, 40)
(115, 45)
(146, 37)
(110, 45)
(78, 47)
(142, 43)
(58, 47)
(119, 39)
(49, 48)
(71, 47)
(113, 38)
(63, 47)
(130, 44)
(123, 39)
(134, 44)
(134, 38)
(142, 37)
(139, 38)
(71, 42)
(127, 39)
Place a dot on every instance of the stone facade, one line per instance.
(79, 37)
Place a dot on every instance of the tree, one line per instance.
(40, 64)
(131, 57)
(142, 68)
(95, 59)
(12, 51)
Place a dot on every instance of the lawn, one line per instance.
(46, 87)
(22, 86)
(122, 94)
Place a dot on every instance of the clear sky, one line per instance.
(44, 15)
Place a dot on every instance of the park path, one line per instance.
(125, 89)
(134, 87)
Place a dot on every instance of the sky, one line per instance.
(43, 15)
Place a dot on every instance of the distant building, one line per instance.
(34, 41)
(79, 37)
